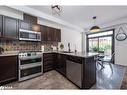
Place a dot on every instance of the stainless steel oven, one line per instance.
(29, 35)
(30, 65)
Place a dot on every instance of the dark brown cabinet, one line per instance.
(57, 36)
(30, 19)
(1, 25)
(48, 62)
(10, 27)
(24, 25)
(50, 34)
(43, 32)
(8, 68)
(29, 26)
(60, 64)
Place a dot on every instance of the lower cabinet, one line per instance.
(8, 68)
(48, 62)
(80, 71)
(60, 65)
(54, 61)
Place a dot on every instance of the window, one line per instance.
(101, 42)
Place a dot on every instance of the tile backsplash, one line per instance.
(23, 45)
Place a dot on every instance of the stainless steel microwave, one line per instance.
(28, 35)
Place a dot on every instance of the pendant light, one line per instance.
(94, 28)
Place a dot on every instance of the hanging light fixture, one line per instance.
(94, 28)
(56, 9)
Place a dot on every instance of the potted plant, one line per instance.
(95, 49)
(61, 46)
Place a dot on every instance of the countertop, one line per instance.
(9, 53)
(78, 54)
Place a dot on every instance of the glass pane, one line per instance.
(93, 45)
(105, 45)
(100, 34)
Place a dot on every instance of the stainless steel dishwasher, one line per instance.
(74, 70)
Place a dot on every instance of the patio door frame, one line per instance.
(112, 35)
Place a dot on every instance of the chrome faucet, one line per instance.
(69, 47)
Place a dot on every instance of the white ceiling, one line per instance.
(82, 15)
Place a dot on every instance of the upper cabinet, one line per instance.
(58, 35)
(1, 26)
(29, 23)
(10, 27)
(30, 19)
(24, 25)
(50, 34)
(43, 32)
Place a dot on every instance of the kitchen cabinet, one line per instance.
(10, 27)
(29, 18)
(57, 36)
(43, 32)
(50, 34)
(24, 25)
(1, 25)
(48, 61)
(60, 65)
(29, 26)
(8, 68)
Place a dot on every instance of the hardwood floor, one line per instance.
(107, 78)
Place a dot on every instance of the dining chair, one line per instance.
(105, 59)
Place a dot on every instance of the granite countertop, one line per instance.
(9, 53)
(78, 54)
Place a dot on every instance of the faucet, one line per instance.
(69, 47)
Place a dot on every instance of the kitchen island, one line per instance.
(79, 68)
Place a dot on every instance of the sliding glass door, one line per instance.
(101, 42)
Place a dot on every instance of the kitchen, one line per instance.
(32, 48)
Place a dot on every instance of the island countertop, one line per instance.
(78, 54)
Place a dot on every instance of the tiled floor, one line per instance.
(106, 79)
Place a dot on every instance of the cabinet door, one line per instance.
(50, 34)
(43, 30)
(61, 65)
(58, 35)
(1, 25)
(8, 68)
(10, 27)
(48, 62)
(24, 25)
(29, 18)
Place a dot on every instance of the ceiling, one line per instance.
(82, 15)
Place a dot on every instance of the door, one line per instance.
(1, 25)
(10, 27)
(101, 42)
(57, 35)
(8, 68)
(24, 25)
(43, 32)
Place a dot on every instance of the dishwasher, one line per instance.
(74, 70)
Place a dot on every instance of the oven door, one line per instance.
(28, 73)
(30, 62)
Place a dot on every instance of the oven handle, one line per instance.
(27, 58)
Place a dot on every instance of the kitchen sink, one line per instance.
(66, 52)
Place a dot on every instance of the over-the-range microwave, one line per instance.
(28, 35)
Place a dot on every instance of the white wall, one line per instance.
(120, 46)
(68, 35)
